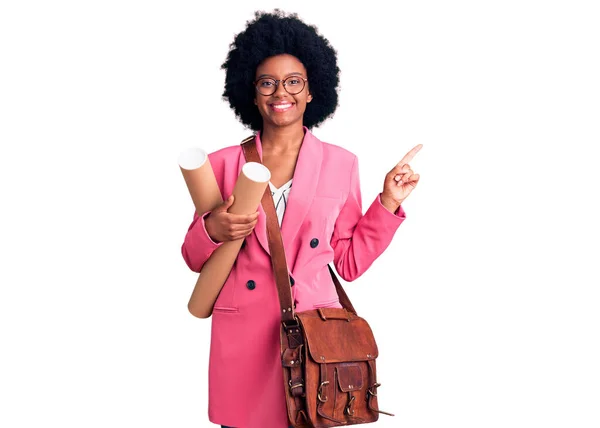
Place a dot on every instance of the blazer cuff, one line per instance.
(399, 213)
(200, 233)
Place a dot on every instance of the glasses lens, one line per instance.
(266, 86)
(294, 84)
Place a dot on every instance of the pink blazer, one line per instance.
(323, 222)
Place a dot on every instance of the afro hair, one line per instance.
(278, 33)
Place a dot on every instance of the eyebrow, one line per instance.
(295, 73)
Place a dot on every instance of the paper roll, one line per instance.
(200, 180)
(248, 191)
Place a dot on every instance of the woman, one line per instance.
(281, 80)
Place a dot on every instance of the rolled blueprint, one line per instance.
(248, 191)
(200, 180)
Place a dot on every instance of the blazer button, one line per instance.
(314, 242)
(251, 285)
(292, 282)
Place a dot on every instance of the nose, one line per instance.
(280, 89)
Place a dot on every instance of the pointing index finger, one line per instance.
(410, 155)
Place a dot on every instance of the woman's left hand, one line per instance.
(400, 181)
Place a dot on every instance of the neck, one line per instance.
(281, 140)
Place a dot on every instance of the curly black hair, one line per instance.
(275, 33)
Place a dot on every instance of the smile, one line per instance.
(281, 107)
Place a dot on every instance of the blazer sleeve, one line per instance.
(198, 246)
(359, 239)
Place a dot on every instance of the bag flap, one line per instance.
(335, 335)
(350, 377)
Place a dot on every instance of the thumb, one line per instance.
(227, 203)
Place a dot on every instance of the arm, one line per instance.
(198, 246)
(359, 239)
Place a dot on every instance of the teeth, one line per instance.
(281, 106)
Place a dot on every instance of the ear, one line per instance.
(309, 98)
(255, 103)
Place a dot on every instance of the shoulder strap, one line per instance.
(276, 248)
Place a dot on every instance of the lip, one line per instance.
(279, 107)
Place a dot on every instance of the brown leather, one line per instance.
(275, 241)
(276, 246)
(328, 354)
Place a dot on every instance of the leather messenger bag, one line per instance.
(328, 354)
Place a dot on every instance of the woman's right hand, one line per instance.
(223, 226)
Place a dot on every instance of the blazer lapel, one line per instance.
(304, 187)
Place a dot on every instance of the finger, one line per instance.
(400, 169)
(410, 155)
(226, 204)
(245, 227)
(243, 218)
(412, 180)
(406, 178)
(243, 233)
(236, 238)
(239, 236)
(402, 181)
(236, 229)
(401, 176)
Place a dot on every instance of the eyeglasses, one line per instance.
(292, 84)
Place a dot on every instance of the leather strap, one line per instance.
(278, 261)
(372, 390)
(277, 251)
(344, 299)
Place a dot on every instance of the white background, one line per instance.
(486, 305)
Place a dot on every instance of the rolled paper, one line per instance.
(200, 179)
(248, 191)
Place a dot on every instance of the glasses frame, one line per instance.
(277, 81)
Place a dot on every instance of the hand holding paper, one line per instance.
(222, 225)
(205, 193)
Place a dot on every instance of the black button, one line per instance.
(292, 282)
(314, 242)
(251, 285)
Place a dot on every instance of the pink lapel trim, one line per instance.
(304, 187)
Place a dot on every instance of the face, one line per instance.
(281, 108)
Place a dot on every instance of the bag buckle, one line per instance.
(296, 385)
(290, 324)
(324, 383)
(349, 410)
(372, 389)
